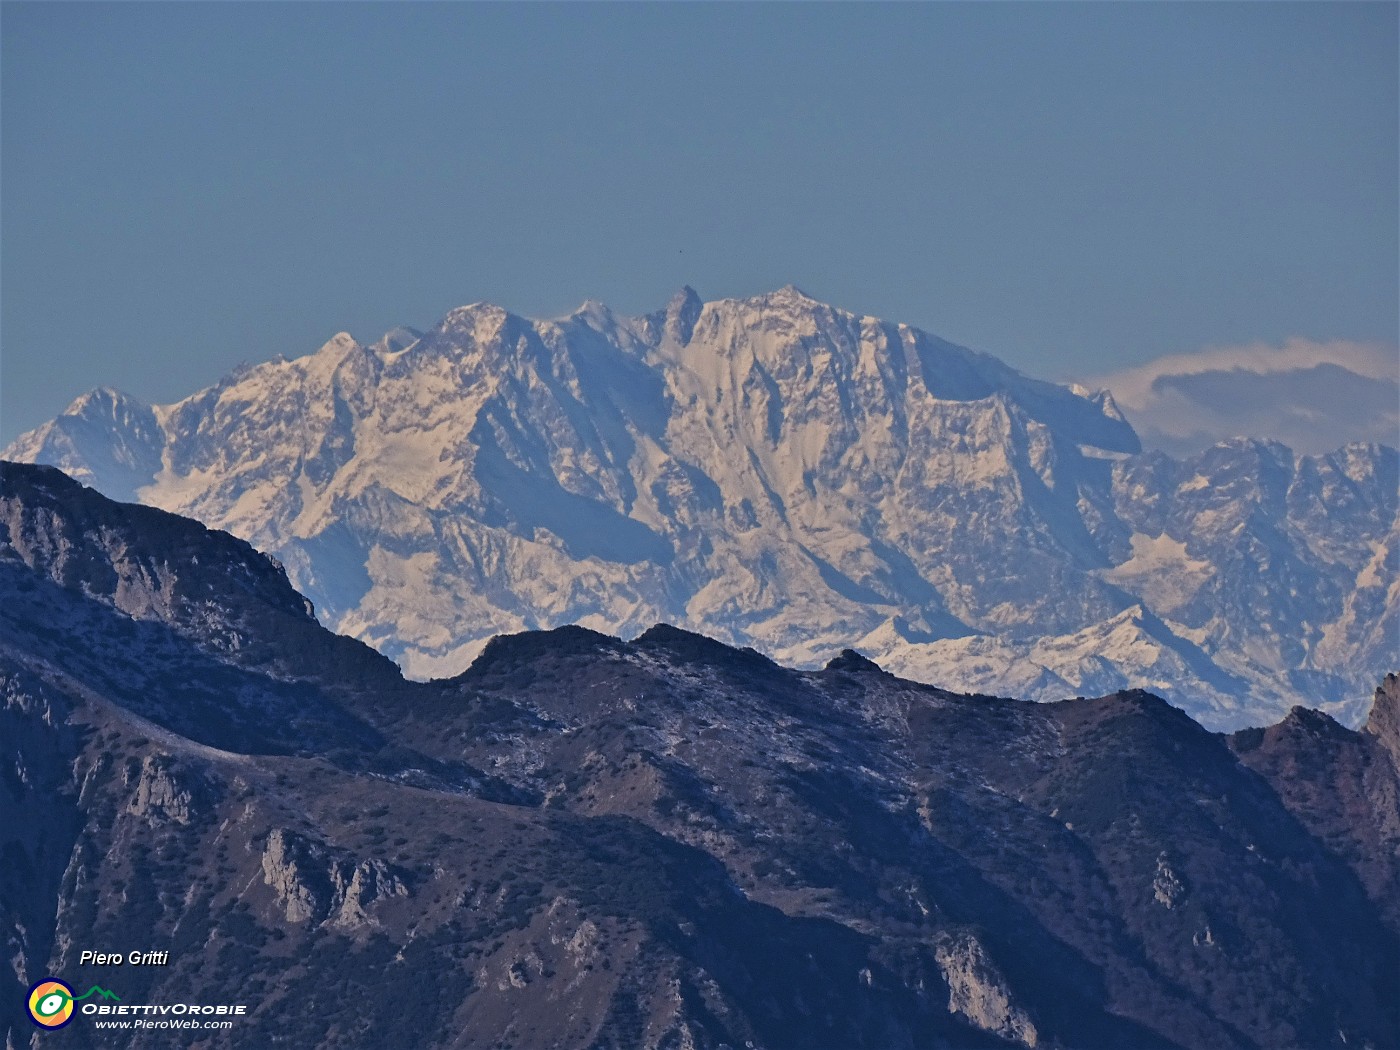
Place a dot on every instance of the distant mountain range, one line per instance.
(782, 474)
(649, 845)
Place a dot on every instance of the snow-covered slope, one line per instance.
(778, 473)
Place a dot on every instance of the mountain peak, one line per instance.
(474, 311)
(1384, 720)
(685, 298)
(1101, 397)
(1310, 720)
(332, 351)
(699, 648)
(593, 308)
(853, 662)
(396, 339)
(788, 300)
(681, 314)
(102, 399)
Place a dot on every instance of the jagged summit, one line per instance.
(681, 313)
(780, 473)
(1383, 722)
(790, 292)
(104, 438)
(101, 398)
(339, 344)
(850, 661)
(396, 340)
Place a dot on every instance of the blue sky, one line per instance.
(1075, 188)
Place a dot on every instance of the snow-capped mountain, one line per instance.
(778, 473)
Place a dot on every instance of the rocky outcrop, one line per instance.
(314, 885)
(296, 871)
(1384, 721)
(160, 794)
(1167, 888)
(978, 992)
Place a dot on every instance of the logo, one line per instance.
(51, 1002)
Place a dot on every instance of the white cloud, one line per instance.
(1311, 396)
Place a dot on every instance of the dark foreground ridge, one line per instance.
(585, 842)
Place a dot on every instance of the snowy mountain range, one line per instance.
(777, 473)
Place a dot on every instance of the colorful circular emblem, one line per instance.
(51, 1003)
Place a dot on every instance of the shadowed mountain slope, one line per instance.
(583, 841)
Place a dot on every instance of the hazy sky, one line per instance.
(1074, 188)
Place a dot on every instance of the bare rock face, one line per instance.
(160, 795)
(312, 885)
(1167, 888)
(295, 870)
(978, 991)
(1384, 721)
(356, 888)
